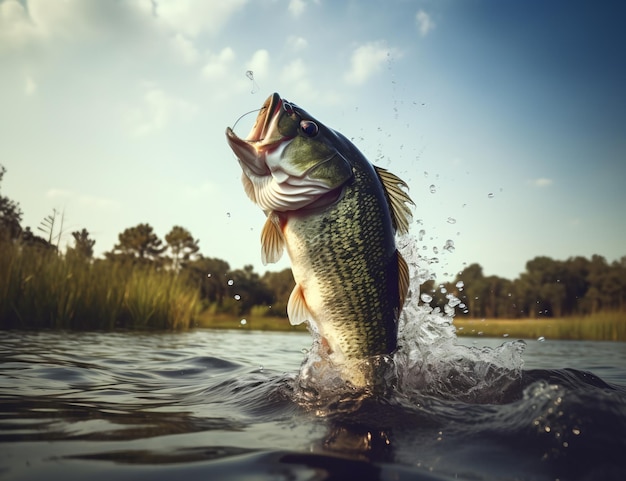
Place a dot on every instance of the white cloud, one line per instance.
(219, 64)
(30, 87)
(542, 182)
(184, 49)
(425, 24)
(366, 61)
(58, 193)
(193, 17)
(45, 21)
(158, 111)
(297, 43)
(15, 26)
(87, 200)
(296, 7)
(259, 64)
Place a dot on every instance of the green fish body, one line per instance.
(337, 216)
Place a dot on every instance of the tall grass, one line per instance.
(40, 289)
(603, 326)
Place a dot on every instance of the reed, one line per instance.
(246, 322)
(40, 289)
(603, 326)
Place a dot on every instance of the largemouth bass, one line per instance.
(337, 216)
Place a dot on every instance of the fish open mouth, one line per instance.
(270, 108)
(250, 150)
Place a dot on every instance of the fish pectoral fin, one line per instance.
(403, 280)
(272, 240)
(397, 199)
(297, 310)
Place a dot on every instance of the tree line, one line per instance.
(547, 288)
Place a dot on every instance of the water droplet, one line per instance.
(421, 234)
(449, 246)
(453, 301)
(261, 368)
(442, 289)
(451, 220)
(541, 339)
(576, 431)
(505, 335)
(227, 214)
(432, 188)
(491, 195)
(425, 174)
(426, 298)
(435, 250)
(460, 284)
(243, 322)
(209, 275)
(237, 297)
(230, 282)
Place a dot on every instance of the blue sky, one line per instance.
(507, 119)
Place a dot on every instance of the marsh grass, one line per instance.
(252, 322)
(41, 289)
(603, 326)
(606, 326)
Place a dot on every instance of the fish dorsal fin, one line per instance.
(403, 280)
(272, 240)
(397, 198)
(248, 187)
(297, 310)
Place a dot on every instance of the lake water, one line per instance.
(230, 405)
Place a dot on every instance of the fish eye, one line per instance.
(309, 128)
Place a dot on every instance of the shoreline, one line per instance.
(604, 326)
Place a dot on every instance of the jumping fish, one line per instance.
(337, 215)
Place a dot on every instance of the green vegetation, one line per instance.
(145, 283)
(604, 326)
(549, 288)
(251, 321)
(41, 289)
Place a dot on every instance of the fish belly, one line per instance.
(345, 261)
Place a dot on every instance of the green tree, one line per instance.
(539, 299)
(476, 289)
(576, 284)
(138, 244)
(247, 290)
(210, 276)
(182, 245)
(10, 215)
(83, 245)
(280, 284)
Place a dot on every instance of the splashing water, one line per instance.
(428, 360)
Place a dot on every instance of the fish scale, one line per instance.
(337, 216)
(351, 252)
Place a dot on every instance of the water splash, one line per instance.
(428, 360)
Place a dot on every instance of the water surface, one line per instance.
(234, 405)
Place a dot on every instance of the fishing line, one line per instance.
(242, 116)
(255, 86)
